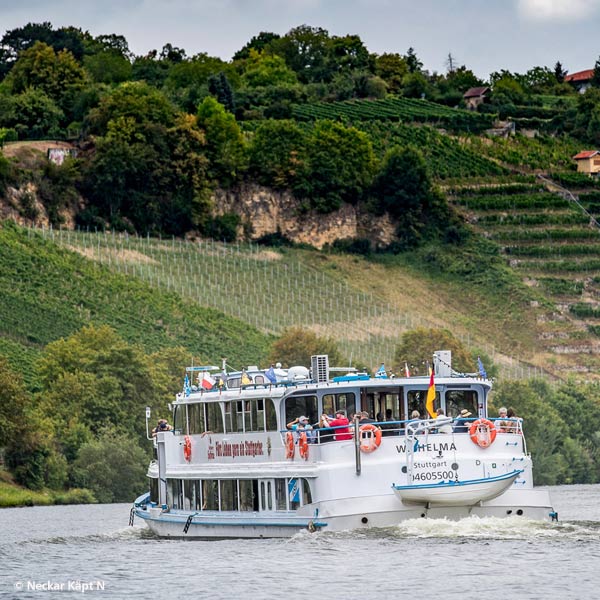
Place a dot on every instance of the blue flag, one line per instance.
(187, 390)
(482, 372)
(294, 490)
(270, 375)
(381, 374)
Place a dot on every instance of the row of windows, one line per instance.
(235, 494)
(260, 415)
(240, 416)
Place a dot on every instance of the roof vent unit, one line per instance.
(319, 366)
(442, 363)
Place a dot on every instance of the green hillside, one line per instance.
(48, 293)
(364, 304)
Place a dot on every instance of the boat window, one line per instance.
(234, 417)
(456, 400)
(234, 382)
(210, 494)
(306, 495)
(198, 494)
(179, 419)
(416, 401)
(297, 406)
(269, 495)
(237, 416)
(280, 494)
(189, 494)
(214, 417)
(249, 494)
(229, 494)
(335, 402)
(270, 415)
(196, 418)
(263, 502)
(154, 489)
(259, 379)
(175, 493)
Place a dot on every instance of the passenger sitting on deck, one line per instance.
(446, 428)
(364, 418)
(514, 423)
(162, 425)
(501, 423)
(343, 433)
(461, 424)
(389, 428)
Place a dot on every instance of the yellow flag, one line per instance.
(430, 398)
(245, 379)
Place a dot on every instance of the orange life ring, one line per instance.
(483, 433)
(290, 449)
(372, 441)
(187, 448)
(303, 445)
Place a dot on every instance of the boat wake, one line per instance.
(481, 528)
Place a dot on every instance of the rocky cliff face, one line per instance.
(269, 211)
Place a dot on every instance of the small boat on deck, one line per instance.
(456, 493)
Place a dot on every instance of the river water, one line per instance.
(90, 551)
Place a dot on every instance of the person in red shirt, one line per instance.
(341, 421)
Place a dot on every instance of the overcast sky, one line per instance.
(485, 35)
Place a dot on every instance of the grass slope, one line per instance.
(364, 304)
(50, 292)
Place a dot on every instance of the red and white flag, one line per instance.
(207, 381)
(406, 370)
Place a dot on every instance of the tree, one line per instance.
(58, 75)
(35, 115)
(340, 166)
(559, 72)
(417, 346)
(262, 70)
(220, 88)
(225, 145)
(296, 345)
(113, 466)
(403, 188)
(306, 51)
(596, 76)
(277, 153)
(412, 62)
(392, 68)
(259, 43)
(108, 66)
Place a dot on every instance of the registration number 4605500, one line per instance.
(434, 476)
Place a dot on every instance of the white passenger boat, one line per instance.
(231, 468)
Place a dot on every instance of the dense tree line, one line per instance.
(158, 133)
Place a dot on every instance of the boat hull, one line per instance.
(342, 515)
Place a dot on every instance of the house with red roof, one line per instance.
(581, 80)
(588, 162)
(473, 97)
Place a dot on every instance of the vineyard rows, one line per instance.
(396, 109)
(266, 289)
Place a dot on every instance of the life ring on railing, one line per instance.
(290, 449)
(371, 441)
(483, 433)
(187, 448)
(303, 446)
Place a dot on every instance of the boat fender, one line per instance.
(483, 433)
(187, 448)
(290, 449)
(303, 446)
(371, 441)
